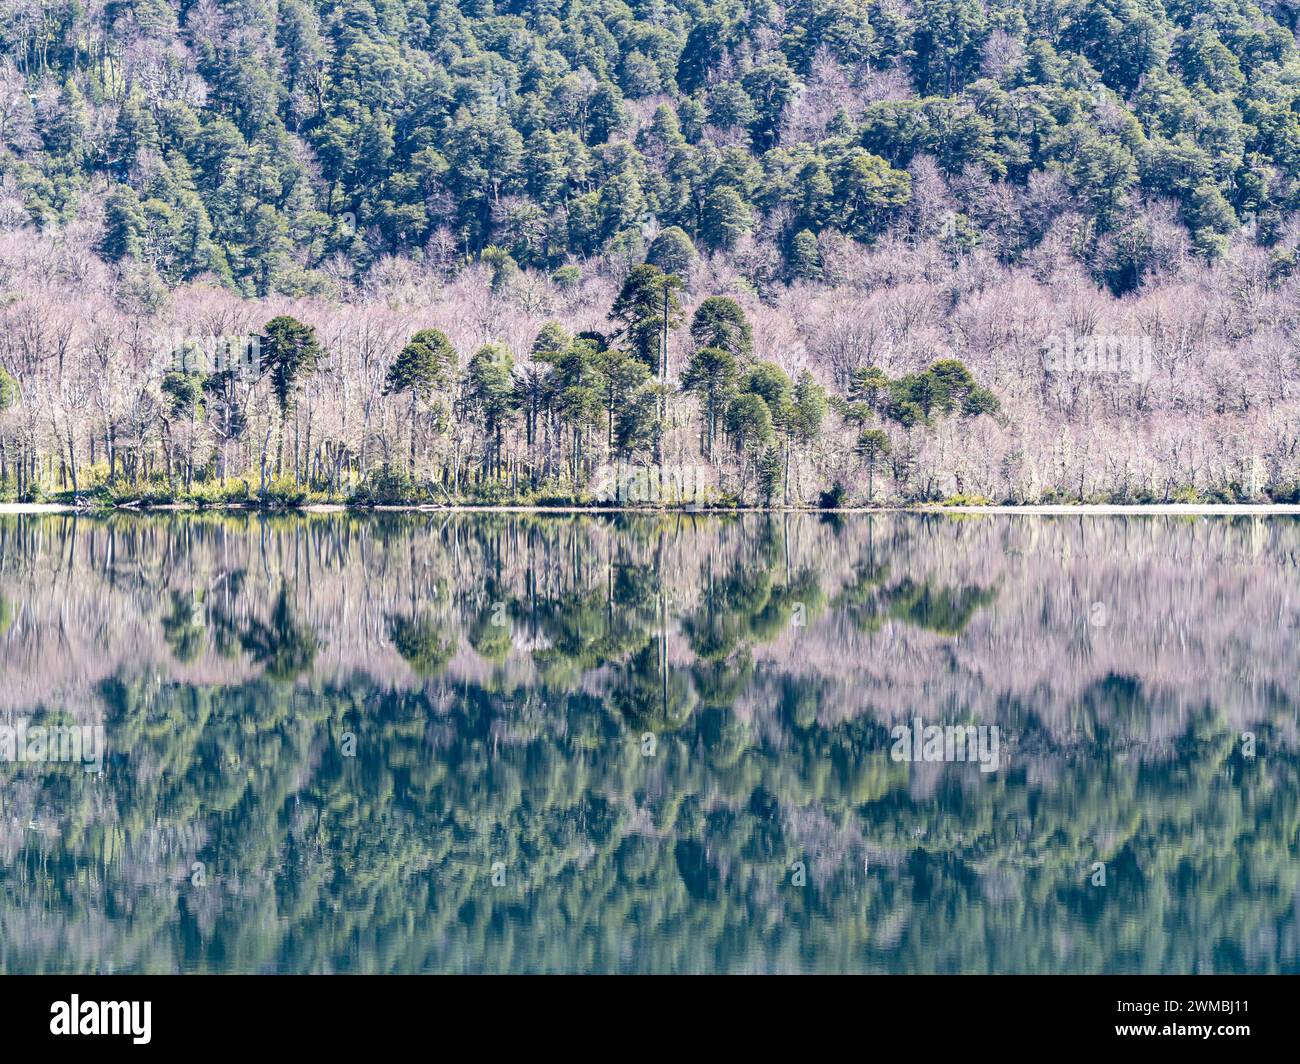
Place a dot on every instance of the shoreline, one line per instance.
(1034, 510)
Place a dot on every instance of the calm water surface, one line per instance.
(505, 743)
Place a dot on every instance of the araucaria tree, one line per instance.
(647, 309)
(489, 391)
(425, 367)
(711, 376)
(290, 353)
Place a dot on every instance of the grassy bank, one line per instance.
(387, 491)
(1187, 509)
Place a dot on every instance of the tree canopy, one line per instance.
(271, 145)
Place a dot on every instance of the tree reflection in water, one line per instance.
(647, 720)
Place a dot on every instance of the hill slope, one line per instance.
(261, 141)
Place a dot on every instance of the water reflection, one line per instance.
(508, 743)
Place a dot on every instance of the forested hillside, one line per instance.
(898, 208)
(259, 141)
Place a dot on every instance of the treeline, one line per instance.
(116, 390)
(583, 418)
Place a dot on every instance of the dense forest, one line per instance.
(818, 253)
(498, 677)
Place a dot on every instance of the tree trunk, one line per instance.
(72, 464)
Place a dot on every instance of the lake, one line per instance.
(648, 743)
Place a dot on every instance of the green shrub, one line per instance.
(833, 497)
(389, 487)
